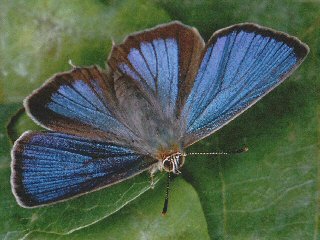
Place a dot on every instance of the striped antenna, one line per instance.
(241, 150)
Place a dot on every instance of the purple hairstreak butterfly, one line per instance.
(164, 90)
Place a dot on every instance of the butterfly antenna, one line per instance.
(241, 150)
(166, 200)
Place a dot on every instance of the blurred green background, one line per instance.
(270, 192)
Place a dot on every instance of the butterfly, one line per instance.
(164, 90)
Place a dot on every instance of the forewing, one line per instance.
(163, 60)
(79, 102)
(239, 66)
(48, 167)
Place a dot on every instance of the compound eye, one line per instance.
(167, 165)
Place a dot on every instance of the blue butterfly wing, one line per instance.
(163, 60)
(48, 167)
(167, 91)
(239, 66)
(79, 102)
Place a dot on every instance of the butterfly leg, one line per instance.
(152, 180)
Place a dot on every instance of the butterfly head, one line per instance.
(173, 162)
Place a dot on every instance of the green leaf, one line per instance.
(142, 218)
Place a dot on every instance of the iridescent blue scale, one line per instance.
(57, 165)
(240, 68)
(81, 103)
(156, 64)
